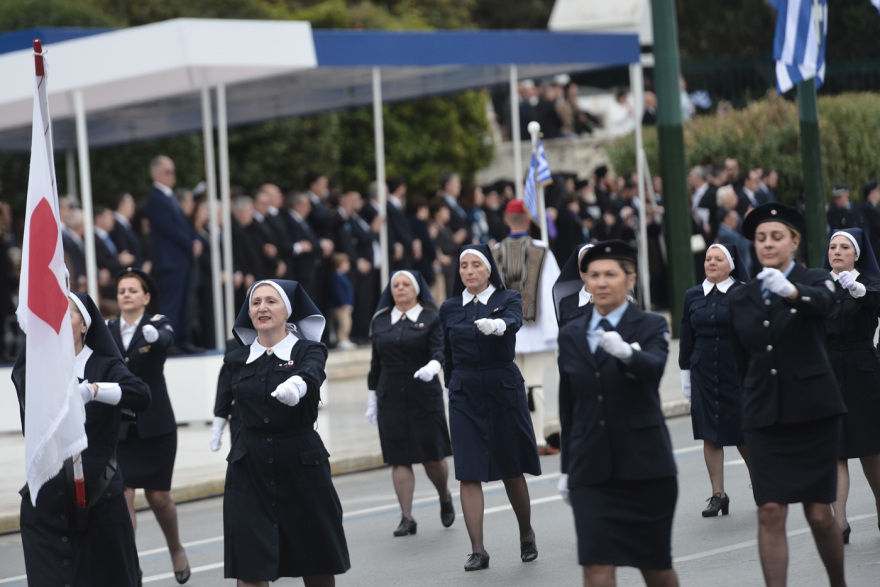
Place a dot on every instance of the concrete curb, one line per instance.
(346, 463)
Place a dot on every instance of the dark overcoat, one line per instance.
(412, 418)
(492, 434)
(704, 349)
(281, 514)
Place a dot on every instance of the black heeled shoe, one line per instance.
(717, 503)
(447, 513)
(407, 526)
(184, 575)
(846, 532)
(528, 551)
(477, 561)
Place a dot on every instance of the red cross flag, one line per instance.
(54, 414)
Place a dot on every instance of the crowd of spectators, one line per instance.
(327, 237)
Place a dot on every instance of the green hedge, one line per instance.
(765, 134)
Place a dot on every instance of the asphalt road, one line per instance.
(716, 552)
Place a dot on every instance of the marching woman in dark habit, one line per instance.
(791, 401)
(570, 295)
(61, 546)
(618, 472)
(406, 398)
(492, 435)
(147, 450)
(708, 373)
(281, 514)
(850, 330)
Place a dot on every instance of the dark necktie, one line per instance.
(605, 325)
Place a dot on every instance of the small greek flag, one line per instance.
(799, 44)
(538, 176)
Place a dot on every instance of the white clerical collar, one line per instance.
(163, 188)
(79, 363)
(467, 297)
(722, 287)
(854, 273)
(281, 350)
(584, 297)
(412, 314)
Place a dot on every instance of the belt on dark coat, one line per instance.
(482, 366)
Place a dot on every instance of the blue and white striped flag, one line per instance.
(542, 173)
(799, 44)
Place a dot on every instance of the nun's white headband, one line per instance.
(724, 250)
(478, 254)
(82, 310)
(851, 238)
(278, 288)
(412, 280)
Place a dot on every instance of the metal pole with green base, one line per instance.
(679, 272)
(811, 159)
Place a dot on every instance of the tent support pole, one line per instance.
(70, 169)
(515, 137)
(211, 190)
(223, 148)
(381, 185)
(638, 90)
(85, 184)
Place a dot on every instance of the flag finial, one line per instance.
(38, 57)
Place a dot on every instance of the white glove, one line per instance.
(686, 384)
(372, 407)
(290, 392)
(217, 433)
(562, 488)
(614, 345)
(849, 282)
(151, 335)
(87, 391)
(429, 371)
(774, 280)
(489, 326)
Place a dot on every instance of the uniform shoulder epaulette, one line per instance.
(156, 318)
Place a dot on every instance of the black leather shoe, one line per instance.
(846, 534)
(528, 551)
(717, 503)
(407, 526)
(183, 576)
(447, 513)
(477, 561)
(140, 577)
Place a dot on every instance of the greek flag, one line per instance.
(538, 176)
(799, 44)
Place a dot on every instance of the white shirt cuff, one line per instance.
(108, 393)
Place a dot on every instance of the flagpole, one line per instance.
(535, 131)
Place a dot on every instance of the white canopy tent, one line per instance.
(149, 63)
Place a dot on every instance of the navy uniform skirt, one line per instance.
(626, 523)
(147, 463)
(795, 463)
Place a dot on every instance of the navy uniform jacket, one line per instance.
(611, 420)
(56, 552)
(147, 361)
(171, 234)
(492, 434)
(779, 349)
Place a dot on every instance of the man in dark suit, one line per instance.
(124, 236)
(400, 236)
(247, 259)
(360, 243)
(458, 224)
(842, 213)
(263, 233)
(174, 248)
(275, 202)
(108, 258)
(306, 246)
(871, 208)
